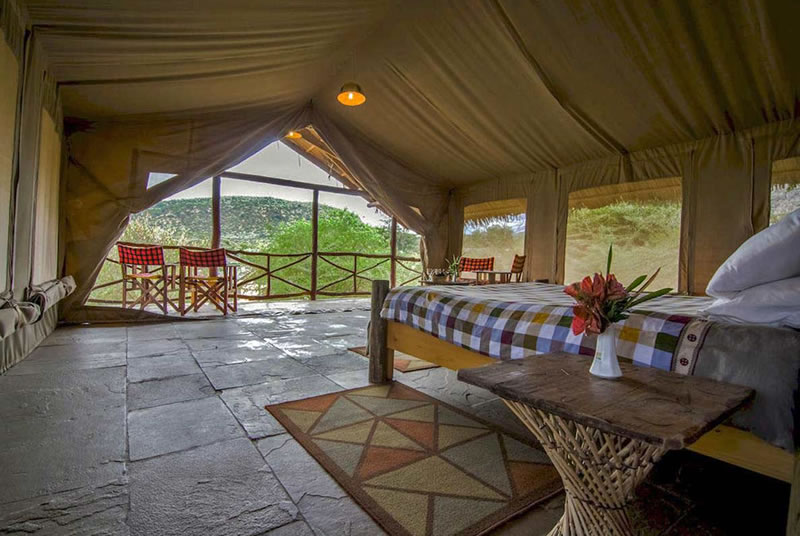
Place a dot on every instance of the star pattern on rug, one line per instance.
(419, 466)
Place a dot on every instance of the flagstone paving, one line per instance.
(161, 429)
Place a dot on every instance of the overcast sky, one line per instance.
(278, 160)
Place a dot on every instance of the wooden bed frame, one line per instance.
(724, 443)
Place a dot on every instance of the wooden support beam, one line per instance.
(216, 218)
(314, 243)
(216, 221)
(381, 357)
(293, 184)
(393, 247)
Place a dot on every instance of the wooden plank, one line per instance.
(314, 243)
(659, 407)
(793, 519)
(743, 449)
(381, 357)
(403, 338)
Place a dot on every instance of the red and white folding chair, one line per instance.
(468, 264)
(144, 271)
(217, 289)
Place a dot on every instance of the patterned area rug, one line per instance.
(402, 362)
(418, 466)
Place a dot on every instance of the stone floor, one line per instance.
(160, 430)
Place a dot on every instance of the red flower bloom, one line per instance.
(595, 296)
(579, 319)
(603, 300)
(614, 289)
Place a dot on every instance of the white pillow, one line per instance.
(775, 304)
(771, 255)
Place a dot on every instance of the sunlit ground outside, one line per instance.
(784, 198)
(646, 236)
(501, 238)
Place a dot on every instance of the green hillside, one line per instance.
(244, 219)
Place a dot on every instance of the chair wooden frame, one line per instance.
(221, 291)
(152, 285)
(516, 271)
(725, 443)
(216, 290)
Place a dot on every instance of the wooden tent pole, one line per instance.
(216, 222)
(393, 277)
(314, 243)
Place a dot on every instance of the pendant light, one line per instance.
(294, 135)
(351, 93)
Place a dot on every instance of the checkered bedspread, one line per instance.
(517, 320)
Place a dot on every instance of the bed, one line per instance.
(461, 327)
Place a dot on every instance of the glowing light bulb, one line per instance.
(351, 95)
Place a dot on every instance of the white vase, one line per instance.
(605, 364)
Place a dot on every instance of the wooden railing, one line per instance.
(261, 272)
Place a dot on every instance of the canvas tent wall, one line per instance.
(30, 162)
(467, 102)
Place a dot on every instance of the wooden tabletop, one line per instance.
(663, 408)
(492, 271)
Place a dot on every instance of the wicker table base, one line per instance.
(600, 471)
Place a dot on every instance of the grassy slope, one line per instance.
(645, 237)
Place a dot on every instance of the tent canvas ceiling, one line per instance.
(459, 91)
(468, 102)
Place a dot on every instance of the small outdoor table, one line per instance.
(603, 436)
(494, 275)
(429, 283)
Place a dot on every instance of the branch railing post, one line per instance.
(355, 273)
(314, 243)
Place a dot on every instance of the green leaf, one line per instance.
(652, 295)
(608, 264)
(652, 277)
(636, 283)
